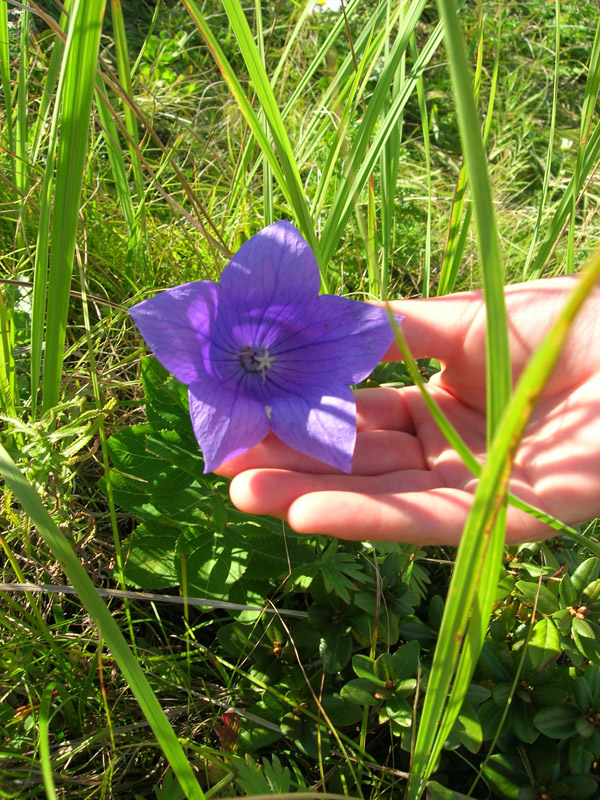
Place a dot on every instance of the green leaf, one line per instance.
(130, 455)
(567, 591)
(586, 638)
(335, 648)
(210, 563)
(504, 774)
(384, 668)
(544, 644)
(435, 791)
(361, 691)
(521, 717)
(580, 787)
(585, 573)
(364, 667)
(467, 728)
(557, 722)
(406, 660)
(149, 556)
(547, 602)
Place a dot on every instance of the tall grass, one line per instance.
(92, 177)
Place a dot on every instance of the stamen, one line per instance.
(256, 359)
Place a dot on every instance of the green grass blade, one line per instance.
(367, 147)
(140, 231)
(78, 78)
(467, 592)
(9, 387)
(548, 168)
(5, 78)
(573, 194)
(60, 548)
(51, 80)
(116, 159)
(285, 170)
(44, 742)
(498, 359)
(22, 127)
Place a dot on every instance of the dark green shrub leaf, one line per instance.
(362, 691)
(467, 728)
(547, 601)
(567, 591)
(505, 776)
(335, 648)
(544, 644)
(585, 573)
(557, 722)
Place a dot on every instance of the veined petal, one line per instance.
(226, 424)
(341, 338)
(177, 325)
(274, 267)
(320, 423)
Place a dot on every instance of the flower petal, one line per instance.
(340, 338)
(177, 326)
(225, 423)
(320, 423)
(275, 267)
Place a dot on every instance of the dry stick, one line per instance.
(152, 598)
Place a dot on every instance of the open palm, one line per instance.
(407, 484)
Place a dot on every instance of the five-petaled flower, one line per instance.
(263, 350)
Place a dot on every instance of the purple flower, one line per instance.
(262, 350)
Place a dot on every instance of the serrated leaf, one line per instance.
(170, 446)
(149, 556)
(210, 563)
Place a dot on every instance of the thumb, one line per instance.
(435, 327)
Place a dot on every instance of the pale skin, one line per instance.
(407, 484)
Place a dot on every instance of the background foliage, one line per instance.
(143, 143)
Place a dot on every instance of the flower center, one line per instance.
(256, 359)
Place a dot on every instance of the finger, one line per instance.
(382, 409)
(435, 327)
(376, 453)
(270, 491)
(434, 517)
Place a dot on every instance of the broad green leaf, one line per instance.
(362, 691)
(149, 556)
(585, 573)
(544, 644)
(504, 773)
(547, 601)
(467, 728)
(335, 648)
(209, 564)
(557, 722)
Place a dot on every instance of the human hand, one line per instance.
(407, 484)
